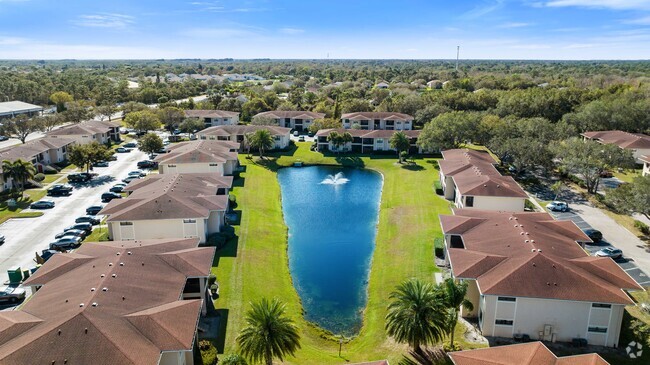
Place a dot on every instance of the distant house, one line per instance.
(378, 120)
(382, 85)
(170, 206)
(638, 143)
(90, 131)
(236, 133)
(528, 274)
(434, 84)
(469, 178)
(10, 109)
(40, 152)
(646, 165)
(364, 141)
(213, 118)
(293, 119)
(202, 156)
(123, 302)
(533, 353)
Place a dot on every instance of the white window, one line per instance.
(126, 223)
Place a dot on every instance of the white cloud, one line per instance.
(641, 21)
(606, 4)
(11, 41)
(514, 25)
(105, 20)
(292, 30)
(482, 10)
(234, 32)
(581, 45)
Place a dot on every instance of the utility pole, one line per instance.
(457, 56)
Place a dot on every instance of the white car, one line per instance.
(557, 206)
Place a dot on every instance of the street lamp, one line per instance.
(340, 345)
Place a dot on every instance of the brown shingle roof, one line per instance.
(170, 196)
(132, 309)
(458, 160)
(230, 130)
(376, 115)
(196, 113)
(200, 151)
(531, 255)
(85, 128)
(533, 353)
(29, 150)
(279, 114)
(621, 139)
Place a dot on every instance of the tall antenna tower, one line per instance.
(457, 56)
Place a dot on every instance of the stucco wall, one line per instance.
(186, 168)
(158, 228)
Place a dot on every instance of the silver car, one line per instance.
(11, 294)
(612, 252)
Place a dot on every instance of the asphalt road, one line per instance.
(25, 237)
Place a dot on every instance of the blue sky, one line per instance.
(485, 29)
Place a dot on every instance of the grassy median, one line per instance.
(256, 265)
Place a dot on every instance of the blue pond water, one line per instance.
(331, 239)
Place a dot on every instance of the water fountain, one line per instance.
(337, 179)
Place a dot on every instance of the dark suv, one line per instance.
(80, 177)
(107, 197)
(94, 209)
(59, 190)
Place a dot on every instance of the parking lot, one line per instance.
(626, 263)
(25, 237)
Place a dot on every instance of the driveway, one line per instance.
(636, 256)
(25, 237)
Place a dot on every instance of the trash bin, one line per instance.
(26, 274)
(15, 275)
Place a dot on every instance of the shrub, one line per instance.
(39, 177)
(529, 206)
(644, 228)
(220, 239)
(212, 278)
(208, 352)
(439, 247)
(447, 347)
(48, 170)
(233, 359)
(438, 186)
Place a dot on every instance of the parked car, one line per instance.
(612, 252)
(310, 134)
(138, 173)
(130, 145)
(66, 243)
(3, 138)
(296, 134)
(46, 254)
(557, 206)
(11, 294)
(301, 139)
(42, 204)
(117, 188)
(80, 177)
(146, 164)
(176, 131)
(130, 178)
(87, 219)
(59, 190)
(606, 174)
(2, 239)
(107, 197)
(94, 209)
(73, 233)
(101, 164)
(80, 226)
(594, 234)
(122, 150)
(113, 157)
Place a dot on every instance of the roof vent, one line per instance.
(95, 304)
(110, 264)
(81, 305)
(92, 289)
(104, 289)
(532, 241)
(114, 275)
(102, 275)
(547, 283)
(86, 330)
(526, 241)
(498, 186)
(555, 284)
(59, 332)
(539, 250)
(123, 298)
(521, 233)
(118, 254)
(121, 264)
(533, 250)
(128, 253)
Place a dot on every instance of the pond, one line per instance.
(332, 216)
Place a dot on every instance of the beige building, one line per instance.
(201, 156)
(527, 274)
(170, 206)
(236, 133)
(469, 178)
(378, 120)
(90, 131)
(364, 141)
(646, 165)
(123, 302)
(638, 143)
(533, 353)
(213, 118)
(292, 119)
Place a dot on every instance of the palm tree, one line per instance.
(416, 315)
(248, 140)
(454, 297)
(269, 333)
(19, 171)
(339, 139)
(400, 142)
(262, 140)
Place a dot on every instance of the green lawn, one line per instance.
(256, 265)
(98, 234)
(51, 178)
(30, 196)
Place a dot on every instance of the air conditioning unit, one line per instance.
(548, 330)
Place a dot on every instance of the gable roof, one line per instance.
(533, 353)
(293, 114)
(531, 255)
(458, 160)
(198, 113)
(30, 149)
(85, 128)
(200, 151)
(132, 308)
(376, 115)
(235, 130)
(170, 196)
(620, 138)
